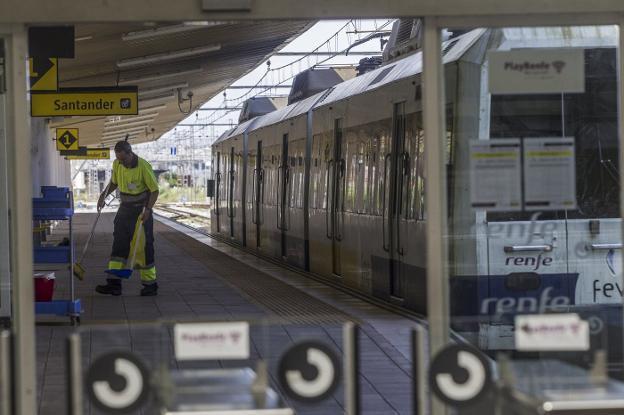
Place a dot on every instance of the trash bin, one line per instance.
(44, 286)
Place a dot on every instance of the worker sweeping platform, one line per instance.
(133, 243)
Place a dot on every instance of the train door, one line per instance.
(293, 208)
(257, 190)
(230, 196)
(218, 192)
(396, 182)
(238, 194)
(336, 169)
(283, 178)
(270, 196)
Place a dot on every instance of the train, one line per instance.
(334, 184)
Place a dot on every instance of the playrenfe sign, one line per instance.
(536, 71)
(211, 341)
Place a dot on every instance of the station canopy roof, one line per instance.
(201, 57)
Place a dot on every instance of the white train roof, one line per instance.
(409, 66)
(454, 49)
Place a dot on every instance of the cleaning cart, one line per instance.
(56, 204)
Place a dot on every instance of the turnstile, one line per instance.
(220, 391)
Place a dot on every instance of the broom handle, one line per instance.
(86, 246)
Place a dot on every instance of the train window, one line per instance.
(315, 173)
(590, 117)
(351, 162)
(377, 168)
(553, 158)
(362, 176)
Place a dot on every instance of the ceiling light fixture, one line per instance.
(110, 134)
(168, 30)
(120, 121)
(112, 127)
(161, 89)
(120, 135)
(167, 56)
(123, 130)
(158, 76)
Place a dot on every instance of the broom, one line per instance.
(79, 271)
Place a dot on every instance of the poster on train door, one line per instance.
(549, 174)
(496, 174)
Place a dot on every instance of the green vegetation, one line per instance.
(170, 192)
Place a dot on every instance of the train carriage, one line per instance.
(335, 185)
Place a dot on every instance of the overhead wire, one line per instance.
(334, 54)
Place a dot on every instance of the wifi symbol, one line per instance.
(558, 65)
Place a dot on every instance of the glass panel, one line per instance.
(5, 283)
(534, 230)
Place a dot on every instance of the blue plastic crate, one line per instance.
(52, 255)
(52, 213)
(58, 307)
(56, 204)
(55, 193)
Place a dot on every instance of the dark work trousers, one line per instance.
(125, 222)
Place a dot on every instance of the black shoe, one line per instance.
(149, 290)
(112, 287)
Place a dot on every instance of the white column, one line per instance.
(20, 205)
(435, 192)
(435, 185)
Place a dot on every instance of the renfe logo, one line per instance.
(529, 261)
(545, 302)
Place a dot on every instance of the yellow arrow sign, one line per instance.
(67, 139)
(80, 101)
(43, 74)
(93, 154)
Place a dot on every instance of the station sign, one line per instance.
(85, 102)
(212, 341)
(551, 332)
(537, 71)
(90, 154)
(43, 74)
(67, 139)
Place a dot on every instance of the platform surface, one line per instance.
(201, 278)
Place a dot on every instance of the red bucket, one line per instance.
(44, 286)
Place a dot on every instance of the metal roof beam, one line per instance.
(355, 53)
(257, 86)
(77, 11)
(208, 125)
